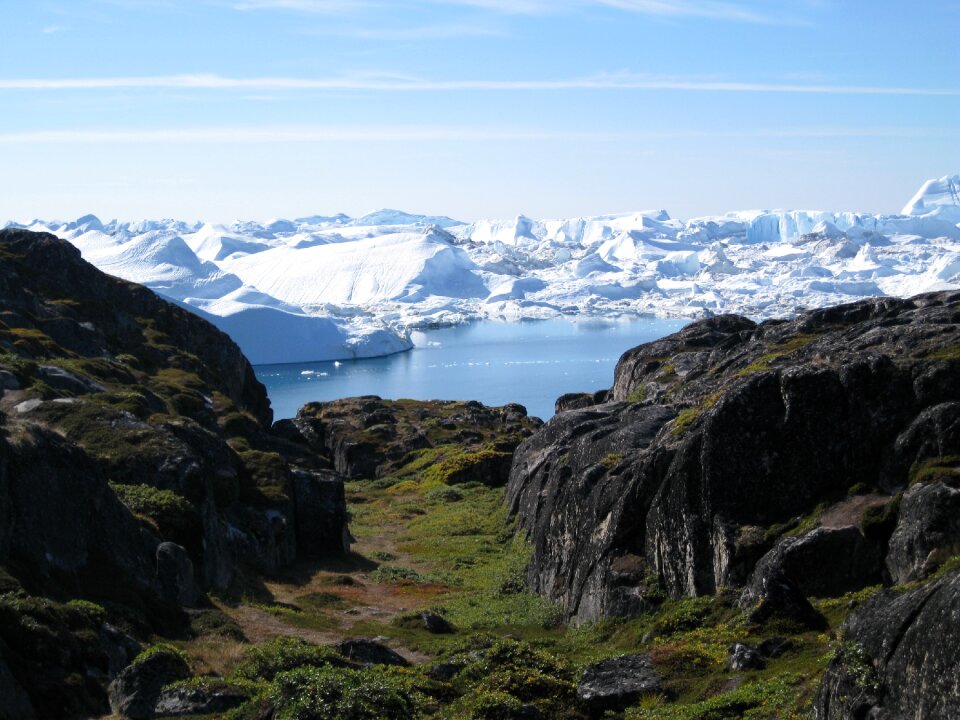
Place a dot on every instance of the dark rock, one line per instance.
(827, 562)
(67, 525)
(574, 401)
(39, 266)
(770, 595)
(368, 437)
(744, 657)
(436, 624)
(14, 702)
(198, 700)
(368, 652)
(120, 649)
(775, 647)
(135, 691)
(928, 526)
(8, 381)
(321, 513)
(175, 575)
(617, 683)
(742, 428)
(60, 379)
(900, 657)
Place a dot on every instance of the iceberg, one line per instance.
(327, 287)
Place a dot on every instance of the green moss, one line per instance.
(174, 516)
(266, 468)
(777, 352)
(175, 655)
(685, 419)
(463, 466)
(639, 394)
(611, 460)
(950, 352)
(944, 469)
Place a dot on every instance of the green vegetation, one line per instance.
(174, 516)
(944, 469)
(638, 395)
(281, 654)
(777, 352)
(312, 693)
(611, 460)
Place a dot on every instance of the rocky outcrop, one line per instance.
(368, 437)
(48, 289)
(899, 657)
(135, 691)
(826, 562)
(138, 469)
(721, 438)
(928, 531)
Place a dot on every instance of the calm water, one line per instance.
(531, 363)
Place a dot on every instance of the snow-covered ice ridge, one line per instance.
(324, 288)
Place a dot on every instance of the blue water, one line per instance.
(530, 362)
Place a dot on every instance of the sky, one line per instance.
(217, 110)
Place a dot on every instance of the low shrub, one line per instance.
(281, 654)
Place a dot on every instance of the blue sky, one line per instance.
(223, 109)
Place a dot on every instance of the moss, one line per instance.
(465, 466)
(638, 395)
(266, 468)
(173, 515)
(878, 522)
(685, 419)
(945, 469)
(950, 353)
(611, 460)
(777, 352)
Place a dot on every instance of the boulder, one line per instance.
(827, 562)
(368, 652)
(743, 657)
(436, 624)
(135, 691)
(928, 526)
(199, 699)
(321, 514)
(617, 683)
(900, 657)
(772, 596)
(121, 649)
(175, 575)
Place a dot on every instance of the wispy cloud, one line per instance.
(429, 133)
(393, 83)
(53, 29)
(714, 9)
